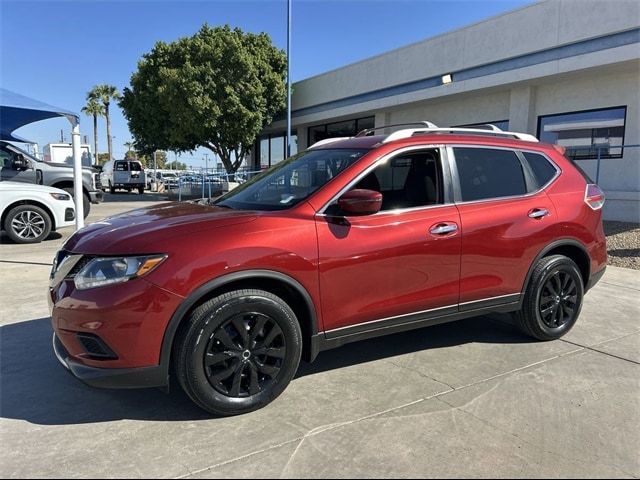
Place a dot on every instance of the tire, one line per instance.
(240, 376)
(86, 201)
(141, 190)
(112, 189)
(553, 298)
(27, 224)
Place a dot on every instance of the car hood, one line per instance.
(6, 186)
(146, 230)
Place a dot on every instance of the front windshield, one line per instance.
(292, 181)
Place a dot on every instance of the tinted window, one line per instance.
(542, 169)
(122, 166)
(291, 181)
(135, 167)
(488, 173)
(409, 180)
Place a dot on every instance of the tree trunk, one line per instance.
(95, 138)
(106, 113)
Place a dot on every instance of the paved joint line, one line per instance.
(27, 263)
(621, 286)
(524, 440)
(593, 349)
(329, 427)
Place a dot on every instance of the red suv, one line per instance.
(350, 239)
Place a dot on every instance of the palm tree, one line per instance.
(130, 150)
(105, 93)
(95, 109)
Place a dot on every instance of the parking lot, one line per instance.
(474, 398)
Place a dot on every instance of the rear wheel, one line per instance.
(141, 190)
(553, 298)
(27, 224)
(238, 352)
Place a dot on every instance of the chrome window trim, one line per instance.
(382, 160)
(456, 175)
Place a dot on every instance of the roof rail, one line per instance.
(367, 131)
(492, 131)
(327, 141)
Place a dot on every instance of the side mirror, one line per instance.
(20, 163)
(360, 202)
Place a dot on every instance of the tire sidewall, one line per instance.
(23, 208)
(208, 323)
(557, 265)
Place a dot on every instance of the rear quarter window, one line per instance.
(542, 169)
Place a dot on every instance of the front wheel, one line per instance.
(553, 298)
(27, 224)
(238, 351)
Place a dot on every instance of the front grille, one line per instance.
(96, 180)
(95, 347)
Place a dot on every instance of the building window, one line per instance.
(501, 124)
(271, 149)
(346, 128)
(586, 133)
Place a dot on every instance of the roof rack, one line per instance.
(432, 128)
(327, 141)
(367, 131)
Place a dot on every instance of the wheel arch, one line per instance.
(35, 203)
(280, 284)
(570, 248)
(69, 184)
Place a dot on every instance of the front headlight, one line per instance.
(61, 196)
(109, 270)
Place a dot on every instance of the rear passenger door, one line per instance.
(506, 219)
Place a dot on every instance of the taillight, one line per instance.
(594, 196)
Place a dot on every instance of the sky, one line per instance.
(56, 51)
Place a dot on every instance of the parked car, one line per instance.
(29, 213)
(17, 165)
(348, 240)
(123, 174)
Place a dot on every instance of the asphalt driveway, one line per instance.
(470, 399)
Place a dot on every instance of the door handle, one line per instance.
(538, 213)
(443, 228)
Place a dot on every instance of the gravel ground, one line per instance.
(623, 244)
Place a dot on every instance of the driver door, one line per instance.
(385, 267)
(10, 173)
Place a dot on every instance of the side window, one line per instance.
(489, 173)
(122, 166)
(135, 166)
(409, 180)
(542, 169)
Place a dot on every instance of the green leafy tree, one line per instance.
(94, 109)
(102, 158)
(148, 162)
(217, 89)
(105, 94)
(176, 165)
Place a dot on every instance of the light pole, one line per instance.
(288, 152)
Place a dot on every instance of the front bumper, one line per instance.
(110, 377)
(96, 196)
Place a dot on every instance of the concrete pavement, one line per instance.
(474, 398)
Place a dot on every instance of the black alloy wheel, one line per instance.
(552, 299)
(245, 355)
(237, 352)
(558, 300)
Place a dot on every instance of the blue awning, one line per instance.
(17, 111)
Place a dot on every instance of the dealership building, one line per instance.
(567, 71)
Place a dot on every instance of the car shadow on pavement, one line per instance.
(35, 388)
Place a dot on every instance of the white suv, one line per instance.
(29, 213)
